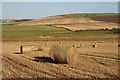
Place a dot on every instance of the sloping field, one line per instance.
(59, 21)
(99, 62)
(89, 26)
(106, 18)
(78, 21)
(36, 22)
(36, 32)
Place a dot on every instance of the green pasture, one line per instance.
(89, 14)
(8, 30)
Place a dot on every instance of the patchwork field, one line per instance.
(79, 21)
(66, 30)
(35, 33)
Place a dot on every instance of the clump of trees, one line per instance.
(21, 20)
(113, 30)
(116, 31)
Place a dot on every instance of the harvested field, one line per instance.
(59, 21)
(63, 30)
(99, 62)
(113, 19)
(89, 26)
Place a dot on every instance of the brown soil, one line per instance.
(113, 19)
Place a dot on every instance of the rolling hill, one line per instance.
(73, 22)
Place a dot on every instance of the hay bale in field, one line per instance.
(118, 45)
(45, 44)
(61, 43)
(75, 46)
(94, 45)
(81, 45)
(78, 46)
(26, 48)
(101, 41)
(63, 54)
(113, 41)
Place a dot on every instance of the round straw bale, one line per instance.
(94, 45)
(26, 48)
(63, 54)
(75, 46)
(45, 43)
(118, 45)
(61, 43)
(101, 41)
(52, 51)
(81, 45)
(72, 56)
(113, 41)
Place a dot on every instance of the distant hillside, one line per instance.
(22, 20)
(78, 21)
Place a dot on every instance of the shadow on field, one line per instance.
(44, 59)
(18, 53)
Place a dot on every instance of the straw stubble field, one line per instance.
(99, 62)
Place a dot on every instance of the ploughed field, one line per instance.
(98, 62)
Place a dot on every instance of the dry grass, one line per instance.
(40, 48)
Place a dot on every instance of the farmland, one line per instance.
(69, 29)
(34, 33)
(100, 62)
(79, 21)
